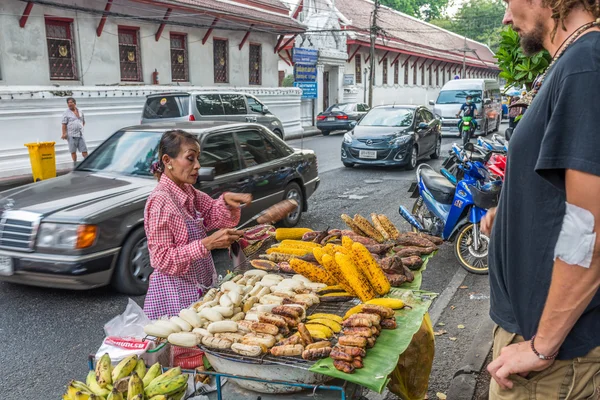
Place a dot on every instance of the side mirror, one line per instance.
(206, 174)
(487, 101)
(469, 146)
(422, 126)
(431, 103)
(265, 110)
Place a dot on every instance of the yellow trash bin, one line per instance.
(43, 160)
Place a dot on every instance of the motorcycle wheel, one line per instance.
(465, 137)
(418, 210)
(472, 259)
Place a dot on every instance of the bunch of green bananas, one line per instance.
(128, 380)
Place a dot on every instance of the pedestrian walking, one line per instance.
(544, 256)
(73, 122)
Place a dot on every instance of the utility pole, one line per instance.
(374, 32)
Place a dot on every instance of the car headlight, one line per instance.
(66, 236)
(400, 140)
(347, 138)
(274, 123)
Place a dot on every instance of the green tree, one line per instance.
(516, 67)
(423, 9)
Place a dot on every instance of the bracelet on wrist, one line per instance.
(541, 356)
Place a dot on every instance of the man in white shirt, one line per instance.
(73, 122)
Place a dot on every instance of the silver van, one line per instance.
(486, 95)
(209, 106)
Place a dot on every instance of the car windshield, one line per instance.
(345, 107)
(167, 107)
(124, 153)
(458, 96)
(387, 117)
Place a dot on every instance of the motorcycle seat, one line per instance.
(440, 187)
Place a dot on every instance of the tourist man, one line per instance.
(73, 122)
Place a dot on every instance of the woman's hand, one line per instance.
(221, 239)
(235, 200)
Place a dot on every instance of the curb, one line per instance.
(463, 384)
(309, 131)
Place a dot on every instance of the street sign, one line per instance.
(309, 89)
(305, 73)
(348, 79)
(305, 56)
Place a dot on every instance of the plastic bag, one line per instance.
(125, 334)
(410, 379)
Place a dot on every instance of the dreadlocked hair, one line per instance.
(562, 8)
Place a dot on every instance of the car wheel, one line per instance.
(132, 272)
(484, 130)
(325, 133)
(438, 149)
(348, 164)
(278, 133)
(293, 192)
(414, 156)
(497, 128)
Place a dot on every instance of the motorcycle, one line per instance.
(453, 211)
(467, 129)
(495, 144)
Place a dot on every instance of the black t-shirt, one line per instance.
(559, 131)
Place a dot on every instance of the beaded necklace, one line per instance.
(526, 100)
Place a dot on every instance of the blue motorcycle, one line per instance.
(453, 211)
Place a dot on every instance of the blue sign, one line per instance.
(309, 89)
(305, 73)
(305, 56)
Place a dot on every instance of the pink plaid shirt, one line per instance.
(171, 253)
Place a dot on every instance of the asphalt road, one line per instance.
(46, 335)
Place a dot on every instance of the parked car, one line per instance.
(393, 135)
(339, 117)
(85, 229)
(209, 106)
(486, 96)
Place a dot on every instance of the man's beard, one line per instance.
(533, 42)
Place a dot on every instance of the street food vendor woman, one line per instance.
(176, 219)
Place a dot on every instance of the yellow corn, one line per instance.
(288, 250)
(290, 233)
(299, 244)
(352, 225)
(367, 228)
(367, 264)
(334, 270)
(377, 224)
(331, 324)
(353, 310)
(389, 226)
(359, 283)
(395, 304)
(341, 249)
(329, 249)
(347, 242)
(311, 271)
(332, 317)
(319, 328)
(318, 252)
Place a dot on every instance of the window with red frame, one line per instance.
(396, 72)
(385, 71)
(129, 55)
(61, 54)
(358, 68)
(220, 56)
(255, 57)
(179, 62)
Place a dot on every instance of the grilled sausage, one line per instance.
(288, 350)
(261, 327)
(338, 355)
(357, 362)
(304, 334)
(374, 318)
(370, 342)
(389, 323)
(351, 350)
(315, 354)
(272, 319)
(383, 312)
(351, 322)
(356, 341)
(343, 366)
(294, 339)
(360, 331)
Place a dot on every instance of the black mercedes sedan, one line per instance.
(393, 136)
(86, 229)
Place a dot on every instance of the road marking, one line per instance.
(444, 299)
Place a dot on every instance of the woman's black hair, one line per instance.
(170, 144)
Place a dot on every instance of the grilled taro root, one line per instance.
(396, 279)
(392, 265)
(413, 240)
(379, 248)
(438, 241)
(343, 366)
(410, 276)
(412, 262)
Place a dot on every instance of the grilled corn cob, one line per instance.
(312, 272)
(290, 233)
(352, 225)
(394, 304)
(341, 249)
(367, 228)
(334, 270)
(318, 253)
(299, 244)
(377, 224)
(347, 242)
(389, 227)
(288, 250)
(367, 264)
(360, 284)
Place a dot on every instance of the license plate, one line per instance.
(372, 154)
(330, 119)
(6, 266)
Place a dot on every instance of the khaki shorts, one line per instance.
(563, 380)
